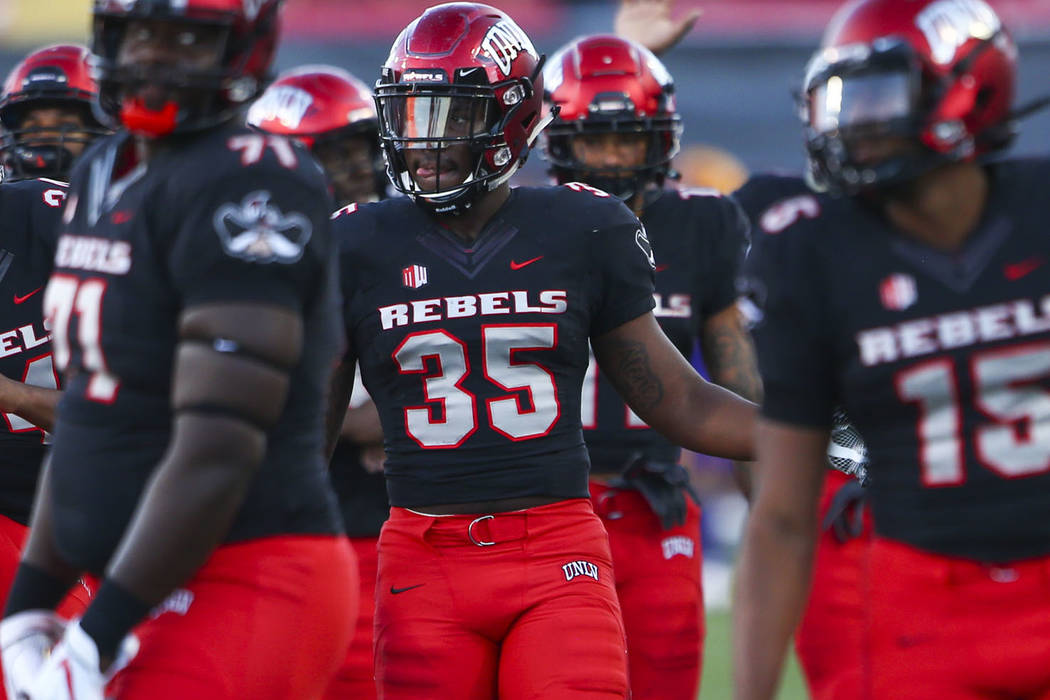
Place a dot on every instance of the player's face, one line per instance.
(54, 125)
(612, 154)
(450, 164)
(180, 46)
(348, 163)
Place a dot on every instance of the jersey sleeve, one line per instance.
(47, 204)
(262, 236)
(729, 242)
(792, 339)
(625, 273)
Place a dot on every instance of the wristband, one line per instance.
(34, 589)
(111, 616)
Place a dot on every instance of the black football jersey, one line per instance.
(223, 216)
(475, 353)
(941, 360)
(698, 240)
(30, 210)
(772, 204)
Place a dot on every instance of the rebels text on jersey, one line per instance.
(698, 239)
(228, 216)
(30, 211)
(941, 360)
(469, 349)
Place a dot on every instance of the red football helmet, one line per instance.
(334, 115)
(200, 98)
(932, 80)
(460, 74)
(52, 77)
(607, 84)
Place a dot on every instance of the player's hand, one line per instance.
(26, 638)
(845, 516)
(664, 485)
(649, 23)
(73, 671)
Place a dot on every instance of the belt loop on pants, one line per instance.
(470, 531)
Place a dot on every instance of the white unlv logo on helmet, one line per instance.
(285, 103)
(948, 24)
(503, 43)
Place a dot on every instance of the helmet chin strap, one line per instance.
(152, 123)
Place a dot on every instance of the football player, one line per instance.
(829, 640)
(919, 302)
(193, 307)
(46, 102)
(46, 113)
(332, 113)
(617, 128)
(469, 306)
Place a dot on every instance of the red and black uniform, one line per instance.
(698, 240)
(830, 637)
(475, 356)
(229, 216)
(942, 361)
(31, 210)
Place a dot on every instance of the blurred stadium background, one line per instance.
(735, 73)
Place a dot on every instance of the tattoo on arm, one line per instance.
(635, 379)
(730, 355)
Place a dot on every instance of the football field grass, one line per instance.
(717, 684)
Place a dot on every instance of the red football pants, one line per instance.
(356, 677)
(830, 639)
(658, 581)
(265, 619)
(12, 539)
(534, 614)
(942, 627)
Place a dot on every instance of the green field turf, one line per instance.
(716, 683)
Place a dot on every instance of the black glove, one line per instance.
(664, 486)
(845, 517)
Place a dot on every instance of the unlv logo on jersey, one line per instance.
(898, 292)
(257, 231)
(414, 276)
(503, 43)
(949, 24)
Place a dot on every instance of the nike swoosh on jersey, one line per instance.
(395, 591)
(514, 265)
(19, 300)
(1016, 271)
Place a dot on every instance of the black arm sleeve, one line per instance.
(729, 242)
(792, 338)
(624, 275)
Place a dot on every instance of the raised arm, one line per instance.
(649, 23)
(667, 393)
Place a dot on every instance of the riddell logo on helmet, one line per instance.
(503, 43)
(948, 24)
